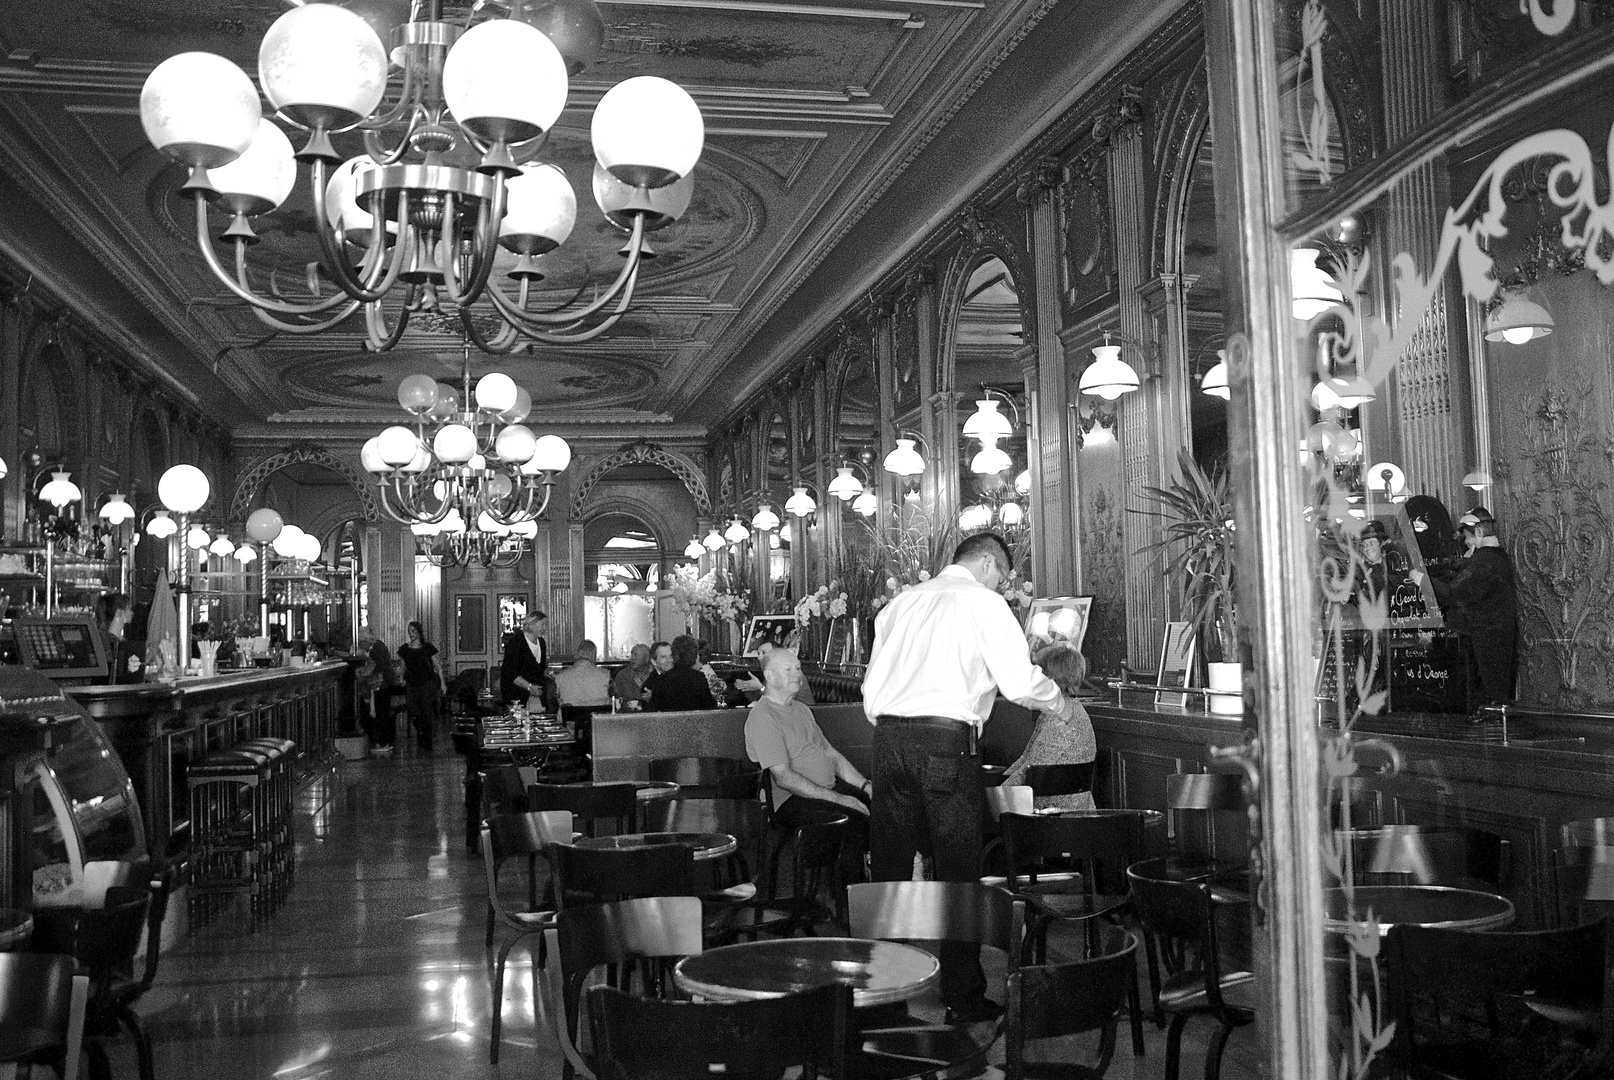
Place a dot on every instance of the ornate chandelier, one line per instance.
(413, 225)
(470, 472)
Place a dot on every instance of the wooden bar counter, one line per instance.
(158, 728)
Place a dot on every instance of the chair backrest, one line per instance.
(41, 1007)
(1183, 911)
(587, 802)
(708, 777)
(1054, 1000)
(504, 791)
(586, 876)
(648, 1039)
(1112, 840)
(585, 937)
(1460, 967)
(529, 833)
(937, 911)
(1060, 779)
(1009, 799)
(1205, 791)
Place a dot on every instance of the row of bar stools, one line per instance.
(241, 827)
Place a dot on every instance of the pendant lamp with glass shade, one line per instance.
(765, 519)
(992, 458)
(116, 510)
(1108, 376)
(1215, 381)
(866, 504)
(1477, 480)
(1311, 289)
(694, 550)
(800, 504)
(845, 486)
(986, 422)
(714, 540)
(1518, 319)
(736, 533)
(161, 526)
(904, 460)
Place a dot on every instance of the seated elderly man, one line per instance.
(751, 685)
(811, 779)
(585, 682)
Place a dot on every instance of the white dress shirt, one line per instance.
(947, 647)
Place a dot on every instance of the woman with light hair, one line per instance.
(1055, 741)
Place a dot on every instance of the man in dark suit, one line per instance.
(526, 656)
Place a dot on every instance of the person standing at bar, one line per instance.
(943, 651)
(1481, 600)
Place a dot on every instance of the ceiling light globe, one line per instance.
(59, 490)
(342, 207)
(621, 203)
(448, 402)
(322, 66)
(222, 547)
(485, 523)
(516, 444)
(575, 26)
(397, 446)
(262, 177)
(264, 524)
(453, 524)
(288, 541)
(845, 486)
(540, 210)
(800, 504)
(647, 132)
(370, 459)
(421, 461)
(417, 394)
(499, 486)
(198, 538)
(519, 411)
(312, 549)
(550, 454)
(904, 460)
(116, 510)
(161, 526)
(454, 444)
(505, 81)
(526, 529)
(199, 109)
(183, 489)
(477, 463)
(245, 554)
(495, 392)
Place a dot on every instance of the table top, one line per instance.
(879, 972)
(1419, 905)
(707, 845)
(1151, 818)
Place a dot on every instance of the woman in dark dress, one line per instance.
(423, 684)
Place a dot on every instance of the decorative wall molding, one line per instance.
(250, 482)
(674, 461)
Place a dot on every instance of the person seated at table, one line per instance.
(1056, 741)
(629, 682)
(812, 781)
(751, 685)
(585, 682)
(681, 686)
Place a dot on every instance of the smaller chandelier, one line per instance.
(473, 471)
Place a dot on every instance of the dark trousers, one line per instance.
(797, 811)
(382, 722)
(929, 799)
(425, 703)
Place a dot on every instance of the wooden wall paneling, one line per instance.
(1056, 541)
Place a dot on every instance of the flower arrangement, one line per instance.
(707, 596)
(829, 602)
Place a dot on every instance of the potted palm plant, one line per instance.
(1196, 511)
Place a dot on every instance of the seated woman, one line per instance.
(1055, 741)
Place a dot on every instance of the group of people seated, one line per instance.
(667, 676)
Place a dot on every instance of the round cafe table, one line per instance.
(706, 845)
(879, 972)
(1418, 905)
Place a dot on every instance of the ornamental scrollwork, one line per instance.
(644, 453)
(251, 482)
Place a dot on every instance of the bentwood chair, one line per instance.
(509, 836)
(42, 1003)
(1501, 1006)
(652, 1039)
(815, 864)
(589, 803)
(715, 794)
(663, 928)
(1059, 1000)
(1179, 928)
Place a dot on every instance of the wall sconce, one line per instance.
(986, 423)
(1386, 479)
(801, 503)
(1214, 382)
(1312, 290)
(116, 510)
(845, 486)
(1108, 376)
(866, 504)
(714, 540)
(992, 458)
(765, 519)
(905, 460)
(694, 550)
(1517, 319)
(736, 533)
(1477, 480)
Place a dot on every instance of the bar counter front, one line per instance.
(159, 728)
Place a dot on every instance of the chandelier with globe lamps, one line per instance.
(470, 473)
(408, 227)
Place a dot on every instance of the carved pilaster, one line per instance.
(1055, 536)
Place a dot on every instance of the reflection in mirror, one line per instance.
(1202, 268)
(776, 491)
(993, 477)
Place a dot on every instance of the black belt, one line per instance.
(931, 723)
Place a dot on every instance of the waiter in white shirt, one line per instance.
(943, 651)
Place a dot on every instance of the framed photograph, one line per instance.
(838, 643)
(512, 612)
(773, 629)
(1176, 663)
(1058, 618)
(470, 623)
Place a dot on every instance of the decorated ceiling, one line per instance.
(811, 112)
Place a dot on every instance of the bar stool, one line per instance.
(232, 809)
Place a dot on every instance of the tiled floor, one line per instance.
(375, 965)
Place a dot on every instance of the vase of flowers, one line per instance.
(708, 597)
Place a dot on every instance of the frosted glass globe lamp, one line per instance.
(183, 489)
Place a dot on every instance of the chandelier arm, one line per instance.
(569, 319)
(523, 293)
(318, 307)
(205, 242)
(483, 246)
(308, 327)
(402, 517)
(380, 338)
(501, 344)
(562, 338)
(336, 266)
(408, 100)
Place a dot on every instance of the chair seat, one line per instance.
(535, 919)
(1073, 905)
(1185, 991)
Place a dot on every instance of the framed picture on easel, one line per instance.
(1176, 664)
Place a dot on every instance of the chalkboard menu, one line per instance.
(1433, 677)
(66, 647)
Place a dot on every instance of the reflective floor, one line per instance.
(375, 964)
